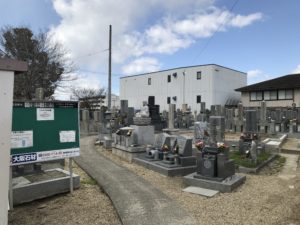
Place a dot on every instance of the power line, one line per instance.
(99, 72)
(90, 54)
(217, 30)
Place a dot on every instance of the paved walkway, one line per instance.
(289, 170)
(137, 201)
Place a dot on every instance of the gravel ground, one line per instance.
(87, 206)
(263, 199)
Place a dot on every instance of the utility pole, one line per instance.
(109, 72)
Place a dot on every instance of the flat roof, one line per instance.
(212, 64)
(13, 65)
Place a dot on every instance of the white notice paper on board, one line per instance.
(43, 114)
(67, 136)
(21, 139)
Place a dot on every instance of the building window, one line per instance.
(199, 75)
(289, 94)
(174, 98)
(169, 78)
(270, 95)
(168, 100)
(256, 96)
(198, 98)
(174, 74)
(285, 94)
(149, 81)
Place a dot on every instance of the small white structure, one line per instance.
(7, 69)
(115, 101)
(212, 84)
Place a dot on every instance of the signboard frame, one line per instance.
(55, 131)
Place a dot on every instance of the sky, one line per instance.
(258, 37)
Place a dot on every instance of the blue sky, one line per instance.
(257, 37)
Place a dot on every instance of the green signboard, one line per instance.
(43, 131)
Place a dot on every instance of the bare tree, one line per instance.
(48, 65)
(89, 98)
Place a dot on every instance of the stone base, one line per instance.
(128, 153)
(25, 190)
(256, 169)
(171, 131)
(164, 168)
(227, 185)
(141, 121)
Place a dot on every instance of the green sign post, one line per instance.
(44, 131)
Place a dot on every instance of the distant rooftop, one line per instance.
(284, 82)
(182, 68)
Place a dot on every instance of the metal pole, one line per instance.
(109, 72)
(183, 87)
(11, 199)
(71, 174)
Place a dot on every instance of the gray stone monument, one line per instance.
(251, 121)
(217, 129)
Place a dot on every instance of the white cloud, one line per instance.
(141, 65)
(140, 28)
(297, 70)
(241, 21)
(255, 76)
(173, 34)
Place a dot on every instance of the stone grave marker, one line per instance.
(251, 121)
(199, 128)
(185, 146)
(217, 128)
(161, 139)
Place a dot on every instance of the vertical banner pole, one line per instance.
(71, 174)
(11, 200)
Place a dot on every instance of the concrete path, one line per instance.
(289, 169)
(137, 201)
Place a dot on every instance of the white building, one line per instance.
(115, 101)
(212, 84)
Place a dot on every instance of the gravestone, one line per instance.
(251, 121)
(171, 116)
(272, 128)
(203, 108)
(130, 116)
(218, 110)
(124, 107)
(217, 128)
(185, 146)
(229, 120)
(85, 121)
(240, 111)
(161, 140)
(213, 110)
(263, 111)
(199, 129)
(278, 115)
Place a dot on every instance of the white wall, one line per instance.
(214, 86)
(115, 101)
(6, 98)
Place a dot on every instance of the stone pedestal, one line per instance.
(143, 135)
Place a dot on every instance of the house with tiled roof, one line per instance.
(279, 92)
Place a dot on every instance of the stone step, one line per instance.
(201, 191)
(290, 151)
